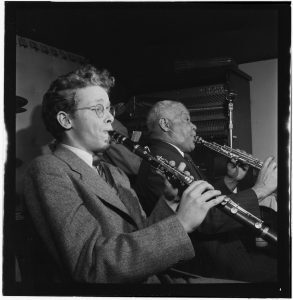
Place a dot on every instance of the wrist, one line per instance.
(184, 224)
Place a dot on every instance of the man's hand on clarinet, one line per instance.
(195, 203)
(235, 173)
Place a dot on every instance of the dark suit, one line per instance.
(218, 246)
(99, 234)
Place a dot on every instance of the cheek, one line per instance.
(97, 130)
(96, 127)
(188, 135)
(94, 132)
(100, 136)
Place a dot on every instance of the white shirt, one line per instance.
(85, 156)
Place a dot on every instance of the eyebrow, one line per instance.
(99, 100)
(184, 113)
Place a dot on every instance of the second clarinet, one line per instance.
(174, 175)
(237, 155)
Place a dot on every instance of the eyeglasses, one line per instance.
(99, 109)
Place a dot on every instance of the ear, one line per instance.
(64, 119)
(164, 124)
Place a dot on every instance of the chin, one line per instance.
(103, 147)
(191, 148)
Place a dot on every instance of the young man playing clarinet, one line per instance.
(85, 211)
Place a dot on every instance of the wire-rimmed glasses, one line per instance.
(99, 109)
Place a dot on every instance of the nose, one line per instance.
(194, 127)
(109, 117)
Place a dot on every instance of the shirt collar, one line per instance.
(181, 152)
(85, 156)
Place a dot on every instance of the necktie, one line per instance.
(104, 172)
(100, 169)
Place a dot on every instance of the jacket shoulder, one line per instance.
(166, 151)
(44, 162)
(46, 158)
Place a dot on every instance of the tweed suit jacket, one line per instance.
(97, 233)
(219, 249)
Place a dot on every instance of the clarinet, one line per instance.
(175, 176)
(237, 155)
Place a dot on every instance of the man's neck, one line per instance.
(84, 155)
(71, 142)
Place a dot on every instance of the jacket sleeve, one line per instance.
(94, 252)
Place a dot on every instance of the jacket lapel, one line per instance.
(193, 168)
(91, 178)
(127, 196)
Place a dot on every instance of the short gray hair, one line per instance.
(162, 109)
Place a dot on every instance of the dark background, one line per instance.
(151, 46)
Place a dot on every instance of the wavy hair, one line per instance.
(61, 94)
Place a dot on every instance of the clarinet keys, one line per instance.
(234, 210)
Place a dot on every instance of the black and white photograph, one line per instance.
(148, 149)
